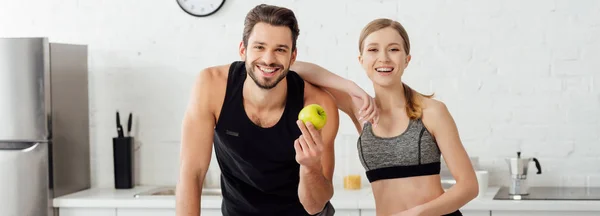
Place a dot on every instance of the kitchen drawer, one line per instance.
(145, 212)
(475, 213)
(464, 213)
(346, 212)
(544, 213)
(87, 212)
(161, 212)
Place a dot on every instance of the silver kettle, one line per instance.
(518, 169)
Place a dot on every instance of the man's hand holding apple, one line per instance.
(309, 146)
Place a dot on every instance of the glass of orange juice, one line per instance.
(352, 166)
(352, 182)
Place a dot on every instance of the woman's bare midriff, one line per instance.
(396, 195)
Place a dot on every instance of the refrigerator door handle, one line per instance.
(18, 147)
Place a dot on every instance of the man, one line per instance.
(271, 163)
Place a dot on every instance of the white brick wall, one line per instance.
(516, 75)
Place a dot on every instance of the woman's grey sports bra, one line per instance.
(412, 153)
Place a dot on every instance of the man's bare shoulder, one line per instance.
(214, 75)
(314, 94)
(209, 89)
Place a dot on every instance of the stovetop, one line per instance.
(552, 193)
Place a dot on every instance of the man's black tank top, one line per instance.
(259, 173)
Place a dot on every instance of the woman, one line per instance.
(401, 155)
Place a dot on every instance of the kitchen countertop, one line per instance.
(342, 199)
(124, 198)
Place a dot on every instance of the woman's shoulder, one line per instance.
(432, 106)
(434, 112)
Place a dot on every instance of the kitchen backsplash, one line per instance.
(516, 75)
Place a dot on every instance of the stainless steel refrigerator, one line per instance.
(44, 129)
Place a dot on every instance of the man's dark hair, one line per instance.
(272, 15)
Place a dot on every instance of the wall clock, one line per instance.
(200, 8)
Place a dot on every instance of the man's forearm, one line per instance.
(314, 190)
(188, 197)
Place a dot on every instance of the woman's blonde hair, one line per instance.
(414, 106)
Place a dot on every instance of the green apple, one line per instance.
(314, 114)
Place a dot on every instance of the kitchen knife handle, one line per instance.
(119, 126)
(537, 165)
(129, 122)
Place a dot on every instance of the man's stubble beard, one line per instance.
(251, 71)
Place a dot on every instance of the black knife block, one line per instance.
(123, 152)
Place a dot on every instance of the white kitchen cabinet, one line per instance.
(87, 212)
(145, 212)
(544, 213)
(364, 212)
(211, 212)
(475, 213)
(347, 212)
(205, 212)
(464, 213)
(161, 212)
